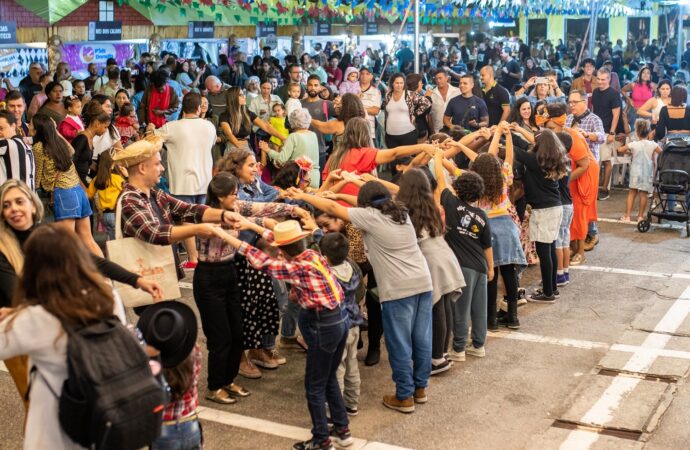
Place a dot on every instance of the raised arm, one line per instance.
(268, 128)
(390, 155)
(330, 127)
(440, 177)
(330, 207)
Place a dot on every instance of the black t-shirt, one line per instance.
(245, 130)
(603, 104)
(468, 233)
(83, 154)
(495, 98)
(482, 58)
(540, 192)
(564, 189)
(508, 81)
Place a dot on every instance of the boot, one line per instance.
(510, 319)
(491, 322)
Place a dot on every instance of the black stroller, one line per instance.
(671, 184)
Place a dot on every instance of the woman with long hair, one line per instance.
(53, 106)
(121, 97)
(417, 195)
(404, 286)
(675, 118)
(83, 143)
(641, 90)
(402, 108)
(651, 109)
(348, 106)
(521, 120)
(56, 173)
(100, 103)
(188, 79)
(236, 122)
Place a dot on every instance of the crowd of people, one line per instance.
(314, 200)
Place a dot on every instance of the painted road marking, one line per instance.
(605, 407)
(643, 273)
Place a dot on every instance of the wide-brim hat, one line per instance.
(171, 328)
(139, 151)
(288, 232)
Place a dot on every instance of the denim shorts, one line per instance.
(563, 240)
(505, 242)
(70, 203)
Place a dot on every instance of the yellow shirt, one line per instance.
(46, 172)
(107, 198)
(279, 124)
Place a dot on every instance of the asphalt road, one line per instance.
(535, 388)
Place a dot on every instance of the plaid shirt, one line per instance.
(189, 402)
(141, 221)
(315, 289)
(591, 123)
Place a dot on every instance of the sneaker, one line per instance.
(248, 369)
(262, 358)
(578, 259)
(220, 396)
(351, 411)
(556, 293)
(471, 350)
(522, 301)
(440, 368)
(492, 325)
(403, 406)
(275, 354)
(562, 280)
(539, 297)
(591, 242)
(420, 395)
(604, 194)
(456, 356)
(510, 324)
(567, 276)
(313, 445)
(342, 436)
(189, 265)
(296, 343)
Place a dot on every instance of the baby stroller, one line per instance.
(671, 183)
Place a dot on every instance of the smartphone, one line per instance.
(542, 80)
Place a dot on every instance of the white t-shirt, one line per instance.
(643, 149)
(190, 162)
(439, 105)
(398, 118)
(371, 98)
(104, 142)
(399, 265)
(292, 104)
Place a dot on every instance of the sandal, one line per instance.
(641, 218)
(624, 219)
(578, 259)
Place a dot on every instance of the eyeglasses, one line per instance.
(574, 102)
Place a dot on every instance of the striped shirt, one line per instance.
(17, 161)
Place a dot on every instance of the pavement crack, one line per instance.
(654, 291)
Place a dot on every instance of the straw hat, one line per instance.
(139, 151)
(288, 232)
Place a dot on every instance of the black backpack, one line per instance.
(110, 399)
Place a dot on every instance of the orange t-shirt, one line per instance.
(356, 160)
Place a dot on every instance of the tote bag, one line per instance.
(153, 262)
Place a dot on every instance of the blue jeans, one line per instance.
(471, 305)
(593, 230)
(288, 321)
(182, 436)
(109, 222)
(325, 333)
(407, 331)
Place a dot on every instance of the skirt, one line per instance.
(260, 315)
(545, 223)
(505, 242)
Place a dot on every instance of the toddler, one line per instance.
(127, 124)
(293, 103)
(350, 83)
(641, 168)
(107, 184)
(72, 125)
(277, 121)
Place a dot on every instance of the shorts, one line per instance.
(544, 224)
(563, 240)
(607, 151)
(505, 242)
(70, 203)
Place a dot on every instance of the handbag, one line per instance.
(153, 262)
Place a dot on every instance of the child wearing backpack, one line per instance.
(335, 247)
(323, 321)
(171, 329)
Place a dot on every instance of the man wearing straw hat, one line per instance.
(149, 213)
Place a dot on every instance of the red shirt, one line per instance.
(356, 160)
(189, 402)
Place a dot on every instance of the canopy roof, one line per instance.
(287, 12)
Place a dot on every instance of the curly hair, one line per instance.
(375, 195)
(488, 167)
(350, 108)
(233, 160)
(469, 186)
(551, 155)
(415, 193)
(285, 178)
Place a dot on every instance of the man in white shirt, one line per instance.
(371, 98)
(443, 93)
(189, 142)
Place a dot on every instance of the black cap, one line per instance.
(368, 69)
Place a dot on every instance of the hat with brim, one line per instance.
(288, 232)
(139, 151)
(171, 328)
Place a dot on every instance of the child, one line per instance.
(108, 185)
(127, 124)
(293, 103)
(171, 329)
(335, 247)
(277, 121)
(72, 125)
(468, 234)
(563, 241)
(350, 83)
(641, 169)
(322, 320)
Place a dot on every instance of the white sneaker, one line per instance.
(473, 351)
(456, 356)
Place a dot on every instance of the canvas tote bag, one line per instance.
(153, 262)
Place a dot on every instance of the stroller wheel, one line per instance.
(643, 226)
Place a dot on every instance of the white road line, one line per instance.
(606, 406)
(576, 343)
(184, 285)
(643, 273)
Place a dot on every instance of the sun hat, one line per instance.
(288, 232)
(171, 328)
(139, 151)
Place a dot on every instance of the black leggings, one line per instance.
(442, 325)
(548, 265)
(374, 318)
(510, 281)
(394, 140)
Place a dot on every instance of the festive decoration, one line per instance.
(54, 52)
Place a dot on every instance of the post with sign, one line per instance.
(201, 30)
(371, 28)
(105, 31)
(268, 31)
(8, 32)
(322, 29)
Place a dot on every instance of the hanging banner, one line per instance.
(8, 32)
(322, 29)
(105, 31)
(371, 28)
(266, 29)
(201, 30)
(79, 56)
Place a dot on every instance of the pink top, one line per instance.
(640, 94)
